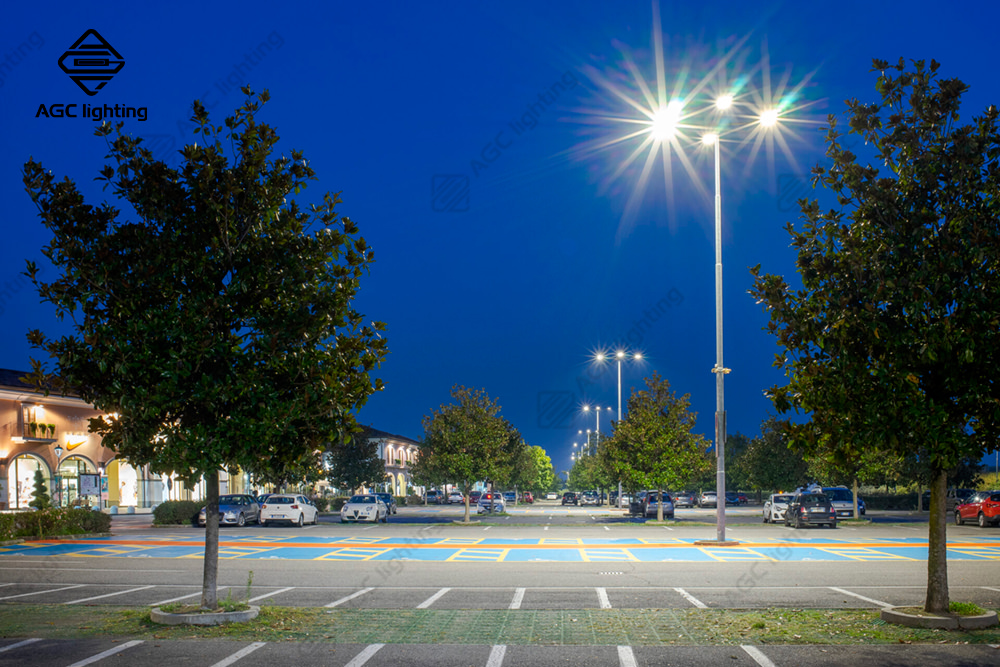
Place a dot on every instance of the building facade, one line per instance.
(399, 454)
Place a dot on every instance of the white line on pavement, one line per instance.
(990, 588)
(602, 595)
(758, 657)
(267, 595)
(606, 528)
(350, 597)
(692, 599)
(183, 597)
(2, 585)
(432, 599)
(364, 656)
(19, 644)
(105, 654)
(109, 595)
(51, 590)
(546, 528)
(487, 527)
(668, 528)
(518, 598)
(861, 597)
(626, 658)
(242, 653)
(496, 655)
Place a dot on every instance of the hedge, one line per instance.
(173, 512)
(53, 521)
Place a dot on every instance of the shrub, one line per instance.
(41, 499)
(322, 504)
(172, 512)
(402, 500)
(890, 501)
(51, 522)
(336, 504)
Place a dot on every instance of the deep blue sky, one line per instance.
(514, 287)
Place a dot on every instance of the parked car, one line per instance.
(552, 495)
(288, 508)
(843, 500)
(491, 502)
(527, 497)
(390, 502)
(732, 498)
(455, 498)
(474, 497)
(435, 497)
(708, 499)
(364, 507)
(509, 497)
(982, 507)
(685, 499)
(590, 498)
(652, 502)
(810, 508)
(775, 506)
(235, 510)
(742, 497)
(570, 498)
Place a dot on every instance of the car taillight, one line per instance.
(294, 507)
(263, 506)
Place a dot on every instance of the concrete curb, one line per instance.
(950, 622)
(219, 618)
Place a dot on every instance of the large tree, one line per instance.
(769, 464)
(533, 471)
(354, 462)
(469, 441)
(653, 447)
(893, 341)
(213, 319)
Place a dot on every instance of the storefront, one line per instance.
(67, 486)
(21, 480)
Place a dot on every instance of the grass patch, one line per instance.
(637, 627)
(965, 609)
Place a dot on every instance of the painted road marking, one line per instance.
(878, 603)
(862, 553)
(626, 658)
(51, 590)
(109, 595)
(602, 595)
(363, 657)
(757, 656)
(350, 597)
(183, 597)
(242, 653)
(271, 594)
(432, 599)
(496, 655)
(494, 555)
(990, 588)
(461, 541)
(518, 598)
(19, 644)
(353, 554)
(692, 599)
(105, 654)
(600, 555)
(735, 554)
(989, 553)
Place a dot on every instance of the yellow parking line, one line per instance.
(863, 553)
(561, 541)
(352, 554)
(603, 555)
(980, 552)
(362, 540)
(460, 540)
(494, 555)
(728, 555)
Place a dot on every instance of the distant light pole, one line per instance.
(620, 356)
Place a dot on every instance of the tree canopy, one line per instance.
(892, 341)
(213, 318)
(354, 462)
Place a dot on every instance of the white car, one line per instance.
(364, 507)
(288, 508)
(552, 495)
(490, 502)
(456, 498)
(775, 506)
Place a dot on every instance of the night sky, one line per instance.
(468, 142)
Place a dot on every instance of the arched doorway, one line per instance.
(68, 481)
(21, 480)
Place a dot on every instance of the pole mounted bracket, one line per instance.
(724, 371)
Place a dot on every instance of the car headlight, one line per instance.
(230, 515)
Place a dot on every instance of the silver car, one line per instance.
(775, 506)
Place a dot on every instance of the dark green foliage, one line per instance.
(53, 521)
(768, 464)
(893, 343)
(171, 512)
(41, 499)
(354, 462)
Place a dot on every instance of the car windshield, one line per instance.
(840, 495)
(230, 500)
(366, 500)
(280, 500)
(812, 498)
(782, 499)
(384, 496)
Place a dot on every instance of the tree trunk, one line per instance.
(937, 555)
(210, 578)
(857, 514)
(465, 492)
(920, 498)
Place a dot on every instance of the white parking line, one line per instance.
(183, 597)
(602, 595)
(668, 528)
(692, 599)
(350, 597)
(105, 654)
(19, 644)
(267, 595)
(990, 588)
(606, 528)
(487, 527)
(546, 528)
(626, 658)
(860, 597)
(432, 599)
(242, 653)
(109, 595)
(364, 656)
(757, 656)
(496, 655)
(51, 590)
(518, 598)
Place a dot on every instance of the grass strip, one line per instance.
(634, 627)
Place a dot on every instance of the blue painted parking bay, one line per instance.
(500, 549)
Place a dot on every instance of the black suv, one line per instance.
(570, 498)
(810, 508)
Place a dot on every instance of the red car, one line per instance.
(982, 507)
(526, 497)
